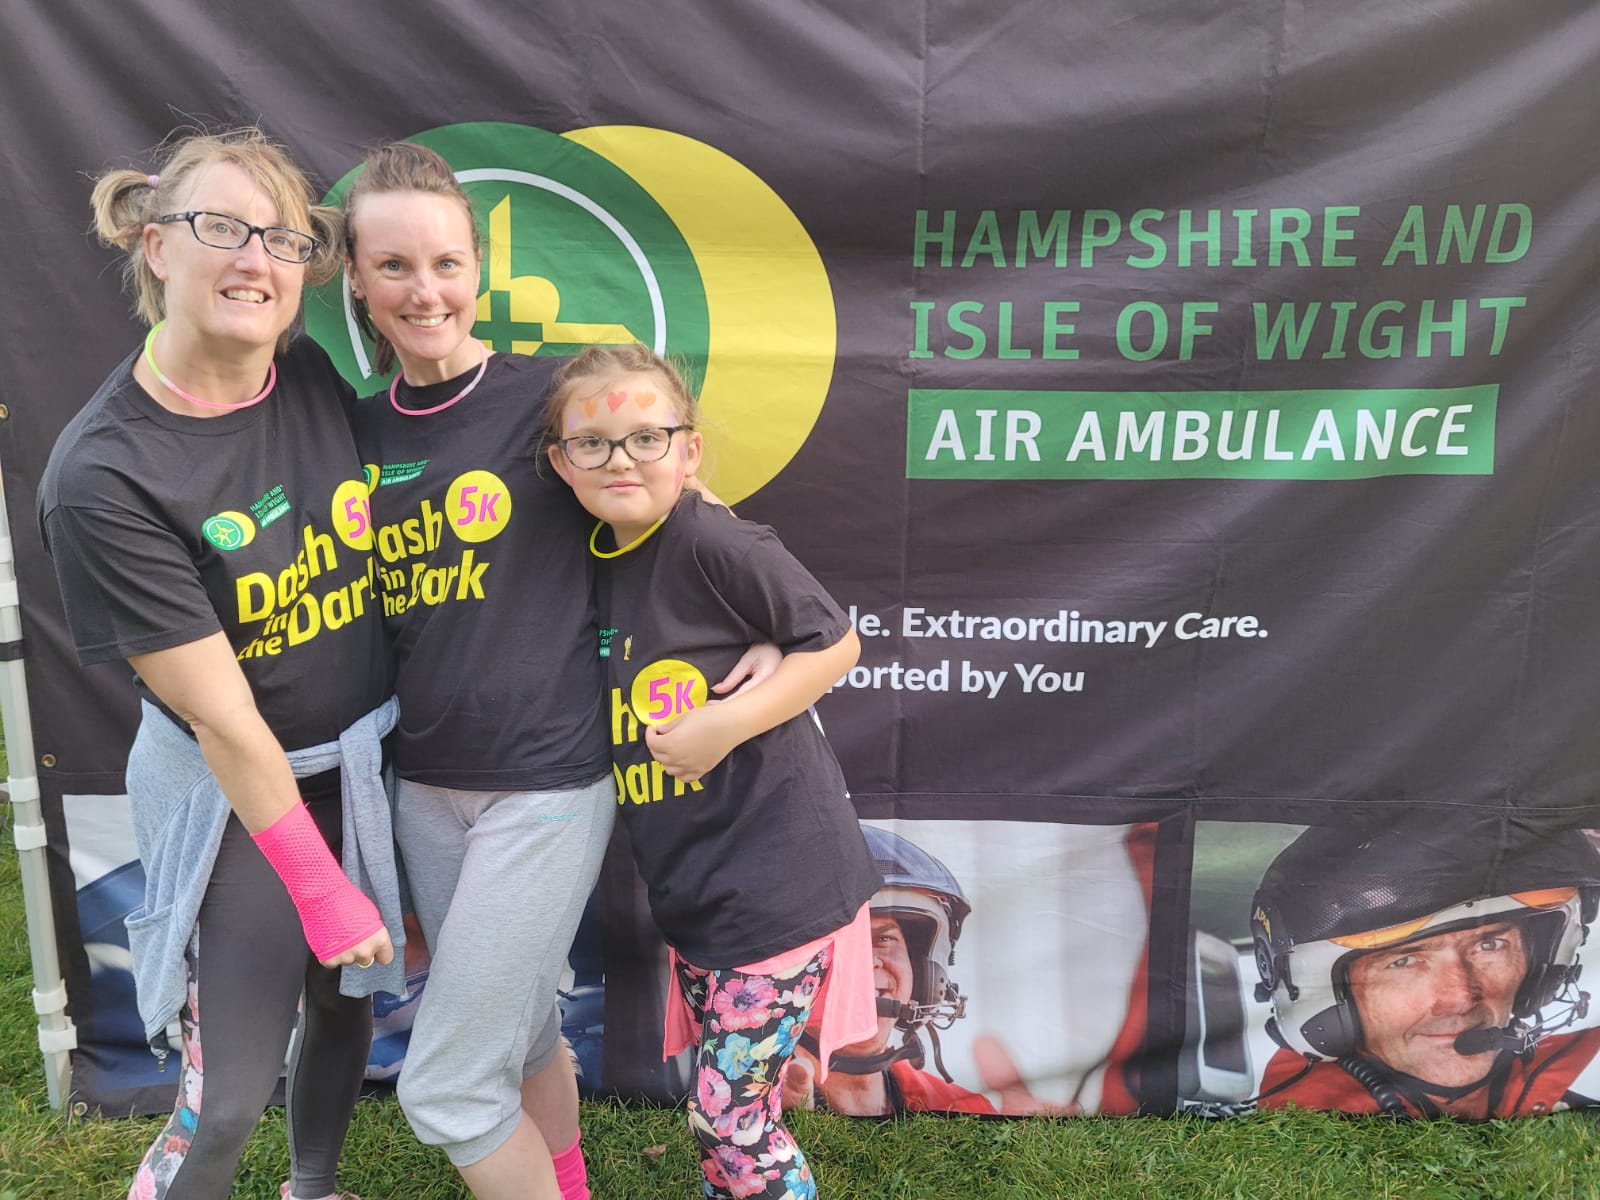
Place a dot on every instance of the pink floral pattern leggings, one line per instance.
(749, 1026)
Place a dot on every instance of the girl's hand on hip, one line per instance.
(692, 744)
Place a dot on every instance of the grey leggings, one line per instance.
(500, 880)
(248, 966)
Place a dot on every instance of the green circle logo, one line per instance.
(624, 233)
(229, 530)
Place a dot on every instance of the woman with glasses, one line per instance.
(206, 513)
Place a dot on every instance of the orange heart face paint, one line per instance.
(630, 496)
(615, 398)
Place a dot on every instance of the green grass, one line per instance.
(49, 1156)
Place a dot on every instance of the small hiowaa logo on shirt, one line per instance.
(270, 507)
(229, 530)
(605, 642)
(391, 473)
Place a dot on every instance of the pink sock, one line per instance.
(571, 1174)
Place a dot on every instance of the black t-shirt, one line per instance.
(765, 853)
(166, 528)
(486, 586)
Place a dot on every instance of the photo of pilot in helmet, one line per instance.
(1402, 981)
(916, 921)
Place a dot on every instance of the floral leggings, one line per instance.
(749, 1026)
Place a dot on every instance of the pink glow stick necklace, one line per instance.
(149, 357)
(456, 399)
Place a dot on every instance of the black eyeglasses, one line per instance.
(229, 233)
(589, 452)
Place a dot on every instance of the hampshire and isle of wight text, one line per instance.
(1070, 292)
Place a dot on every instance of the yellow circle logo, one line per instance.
(352, 514)
(768, 303)
(618, 233)
(665, 690)
(477, 505)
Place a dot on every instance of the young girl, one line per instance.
(744, 834)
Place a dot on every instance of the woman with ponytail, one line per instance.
(206, 514)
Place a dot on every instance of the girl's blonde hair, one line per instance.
(593, 371)
(398, 167)
(125, 201)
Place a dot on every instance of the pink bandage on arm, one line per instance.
(333, 912)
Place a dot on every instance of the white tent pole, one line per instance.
(57, 1037)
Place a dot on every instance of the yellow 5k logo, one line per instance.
(352, 514)
(477, 505)
(665, 690)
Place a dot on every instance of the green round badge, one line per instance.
(229, 530)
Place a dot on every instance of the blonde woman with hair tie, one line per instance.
(206, 516)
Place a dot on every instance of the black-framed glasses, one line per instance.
(589, 451)
(229, 233)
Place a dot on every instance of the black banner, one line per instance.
(1192, 404)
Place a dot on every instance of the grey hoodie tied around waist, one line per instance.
(179, 813)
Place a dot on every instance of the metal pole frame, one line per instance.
(57, 1035)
